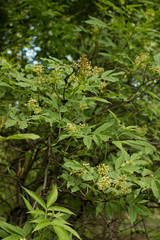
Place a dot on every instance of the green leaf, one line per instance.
(24, 136)
(52, 196)
(132, 213)
(61, 233)
(3, 84)
(110, 79)
(42, 225)
(157, 174)
(155, 189)
(10, 228)
(141, 209)
(103, 127)
(87, 141)
(114, 115)
(97, 99)
(22, 124)
(96, 21)
(36, 197)
(10, 122)
(119, 162)
(28, 205)
(2, 138)
(37, 212)
(13, 237)
(109, 210)
(63, 136)
(27, 228)
(87, 177)
(71, 230)
(99, 208)
(61, 209)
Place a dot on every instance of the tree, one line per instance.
(90, 125)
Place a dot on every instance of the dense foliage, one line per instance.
(84, 120)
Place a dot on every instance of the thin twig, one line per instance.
(145, 227)
(108, 227)
(46, 169)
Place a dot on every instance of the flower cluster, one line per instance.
(141, 59)
(85, 69)
(97, 71)
(73, 128)
(34, 106)
(156, 69)
(38, 69)
(102, 85)
(56, 75)
(104, 183)
(84, 66)
(103, 169)
(120, 184)
(80, 172)
(128, 163)
(83, 106)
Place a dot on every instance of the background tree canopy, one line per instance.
(79, 119)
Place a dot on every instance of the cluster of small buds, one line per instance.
(83, 66)
(118, 183)
(103, 169)
(124, 177)
(73, 78)
(73, 128)
(22, 238)
(155, 69)
(126, 189)
(86, 164)
(104, 183)
(102, 85)
(38, 69)
(41, 80)
(82, 171)
(55, 76)
(97, 71)
(34, 106)
(128, 163)
(141, 59)
(83, 106)
(79, 172)
(54, 94)
(142, 130)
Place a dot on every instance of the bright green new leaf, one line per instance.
(10, 228)
(61, 209)
(87, 141)
(61, 233)
(42, 225)
(36, 197)
(28, 205)
(24, 136)
(13, 237)
(52, 196)
(71, 230)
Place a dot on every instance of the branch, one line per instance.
(46, 169)
(145, 227)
